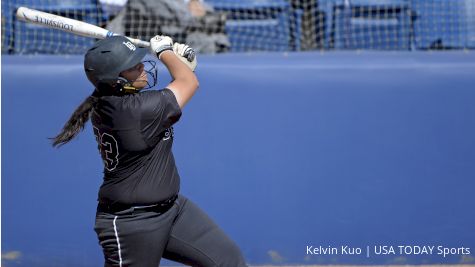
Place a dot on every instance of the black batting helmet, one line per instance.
(107, 58)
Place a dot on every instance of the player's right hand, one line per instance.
(186, 54)
(160, 43)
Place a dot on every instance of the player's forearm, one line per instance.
(178, 70)
(184, 82)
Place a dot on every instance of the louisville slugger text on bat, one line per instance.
(68, 25)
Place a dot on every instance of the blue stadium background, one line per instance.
(283, 149)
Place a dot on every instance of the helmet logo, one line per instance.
(130, 45)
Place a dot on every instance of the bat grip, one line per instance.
(141, 43)
(134, 41)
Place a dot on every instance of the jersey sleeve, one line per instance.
(159, 111)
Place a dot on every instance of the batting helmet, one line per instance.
(107, 58)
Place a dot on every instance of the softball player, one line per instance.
(141, 217)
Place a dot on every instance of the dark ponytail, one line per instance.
(76, 122)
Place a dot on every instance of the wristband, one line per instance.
(162, 49)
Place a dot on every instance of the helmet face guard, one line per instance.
(150, 70)
(107, 58)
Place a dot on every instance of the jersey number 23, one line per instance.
(109, 149)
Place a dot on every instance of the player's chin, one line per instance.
(142, 83)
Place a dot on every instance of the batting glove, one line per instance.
(186, 54)
(160, 43)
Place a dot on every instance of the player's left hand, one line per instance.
(186, 54)
(160, 44)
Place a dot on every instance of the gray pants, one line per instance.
(183, 234)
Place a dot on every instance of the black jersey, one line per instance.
(135, 135)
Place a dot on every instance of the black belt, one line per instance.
(160, 207)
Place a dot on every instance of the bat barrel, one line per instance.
(68, 25)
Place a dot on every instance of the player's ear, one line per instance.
(106, 88)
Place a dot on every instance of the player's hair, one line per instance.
(76, 122)
(103, 63)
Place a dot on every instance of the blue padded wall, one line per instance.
(282, 150)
